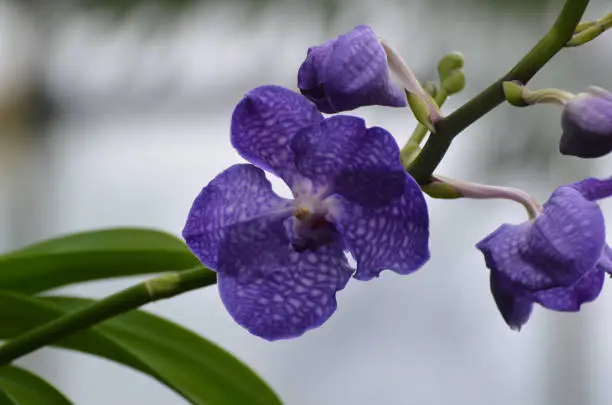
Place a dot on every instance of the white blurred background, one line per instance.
(117, 117)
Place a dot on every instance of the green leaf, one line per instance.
(5, 399)
(21, 387)
(92, 255)
(194, 367)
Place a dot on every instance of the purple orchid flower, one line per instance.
(281, 261)
(348, 72)
(587, 124)
(558, 259)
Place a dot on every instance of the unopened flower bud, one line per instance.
(587, 124)
(348, 72)
(450, 70)
(454, 82)
(449, 63)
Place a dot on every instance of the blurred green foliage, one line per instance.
(329, 8)
(121, 8)
(503, 5)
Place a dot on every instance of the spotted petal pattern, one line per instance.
(568, 238)
(557, 260)
(348, 72)
(239, 201)
(585, 289)
(504, 252)
(264, 123)
(394, 237)
(299, 295)
(593, 189)
(353, 160)
(571, 298)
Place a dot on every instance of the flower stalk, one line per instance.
(164, 286)
(447, 128)
(486, 192)
(412, 148)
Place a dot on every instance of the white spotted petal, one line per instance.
(291, 300)
(263, 124)
(393, 237)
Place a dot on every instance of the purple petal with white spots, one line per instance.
(513, 305)
(263, 124)
(504, 252)
(237, 204)
(570, 298)
(567, 239)
(348, 72)
(252, 248)
(393, 237)
(361, 164)
(299, 295)
(593, 189)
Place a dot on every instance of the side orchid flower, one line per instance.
(348, 72)
(281, 261)
(558, 259)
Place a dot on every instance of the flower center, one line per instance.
(302, 213)
(311, 228)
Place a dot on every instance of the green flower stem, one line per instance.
(164, 286)
(446, 129)
(590, 30)
(412, 147)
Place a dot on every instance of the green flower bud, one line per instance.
(454, 82)
(449, 63)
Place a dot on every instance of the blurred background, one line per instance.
(116, 113)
